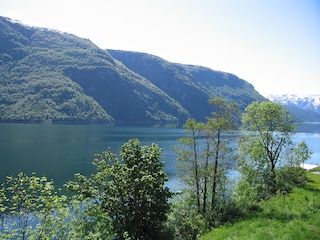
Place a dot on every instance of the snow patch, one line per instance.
(304, 101)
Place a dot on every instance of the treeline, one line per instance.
(126, 197)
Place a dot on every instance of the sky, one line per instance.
(272, 44)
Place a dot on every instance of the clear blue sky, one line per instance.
(273, 44)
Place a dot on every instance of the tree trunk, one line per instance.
(274, 179)
(196, 166)
(205, 187)
(215, 172)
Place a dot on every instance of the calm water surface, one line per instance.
(60, 151)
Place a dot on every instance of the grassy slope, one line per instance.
(297, 216)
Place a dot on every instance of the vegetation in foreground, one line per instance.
(127, 199)
(293, 216)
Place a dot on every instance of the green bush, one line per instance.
(289, 177)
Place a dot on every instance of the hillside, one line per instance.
(46, 75)
(295, 216)
(189, 85)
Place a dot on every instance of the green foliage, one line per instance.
(245, 195)
(51, 76)
(268, 159)
(184, 220)
(190, 161)
(102, 88)
(128, 194)
(314, 179)
(291, 174)
(301, 154)
(191, 86)
(289, 177)
(255, 174)
(293, 216)
(35, 91)
(30, 208)
(86, 221)
(268, 136)
(204, 158)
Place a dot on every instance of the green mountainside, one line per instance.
(189, 85)
(46, 75)
(33, 86)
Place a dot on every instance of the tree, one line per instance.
(129, 193)
(268, 131)
(204, 158)
(291, 174)
(30, 208)
(301, 153)
(185, 220)
(224, 120)
(189, 158)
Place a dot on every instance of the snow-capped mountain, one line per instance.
(307, 102)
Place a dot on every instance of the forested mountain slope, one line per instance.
(51, 75)
(46, 75)
(188, 84)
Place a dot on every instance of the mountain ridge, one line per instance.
(47, 75)
(190, 85)
(304, 101)
(305, 107)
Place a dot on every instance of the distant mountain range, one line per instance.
(307, 102)
(303, 107)
(46, 75)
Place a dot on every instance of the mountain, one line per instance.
(46, 75)
(49, 75)
(303, 107)
(307, 102)
(190, 85)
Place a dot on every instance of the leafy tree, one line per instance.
(86, 221)
(129, 192)
(185, 220)
(31, 209)
(291, 174)
(265, 146)
(205, 157)
(189, 158)
(301, 153)
(224, 120)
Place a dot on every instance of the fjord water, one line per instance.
(59, 151)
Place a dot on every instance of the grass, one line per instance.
(295, 216)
